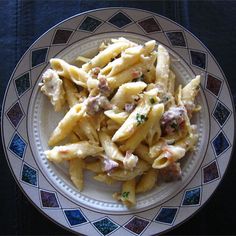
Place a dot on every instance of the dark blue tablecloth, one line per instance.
(22, 22)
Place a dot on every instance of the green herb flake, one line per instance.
(165, 99)
(152, 100)
(175, 126)
(125, 194)
(141, 118)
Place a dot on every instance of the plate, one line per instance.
(28, 119)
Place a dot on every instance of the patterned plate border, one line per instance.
(17, 146)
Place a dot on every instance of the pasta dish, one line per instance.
(127, 119)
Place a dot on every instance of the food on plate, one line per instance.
(127, 119)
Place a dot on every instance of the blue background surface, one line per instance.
(22, 22)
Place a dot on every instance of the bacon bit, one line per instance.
(97, 104)
(95, 71)
(136, 74)
(129, 107)
(103, 86)
(109, 164)
(173, 120)
(171, 173)
(64, 151)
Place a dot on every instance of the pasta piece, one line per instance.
(103, 177)
(128, 193)
(156, 149)
(64, 69)
(142, 131)
(72, 95)
(137, 117)
(106, 55)
(110, 148)
(123, 174)
(80, 149)
(189, 93)
(87, 129)
(76, 172)
(189, 142)
(126, 92)
(119, 117)
(169, 155)
(128, 58)
(66, 125)
(147, 181)
(95, 166)
(52, 86)
(80, 133)
(73, 138)
(163, 67)
(171, 83)
(131, 73)
(83, 59)
(150, 76)
(154, 133)
(142, 152)
(112, 125)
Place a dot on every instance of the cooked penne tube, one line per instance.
(189, 93)
(106, 55)
(76, 172)
(163, 67)
(137, 117)
(131, 73)
(128, 193)
(143, 130)
(80, 149)
(126, 92)
(169, 155)
(123, 174)
(118, 117)
(72, 94)
(103, 177)
(128, 58)
(147, 181)
(154, 133)
(64, 69)
(171, 83)
(66, 125)
(86, 126)
(142, 151)
(110, 148)
(95, 166)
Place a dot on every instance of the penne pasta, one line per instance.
(66, 125)
(80, 149)
(110, 148)
(127, 92)
(147, 181)
(143, 130)
(76, 172)
(125, 121)
(163, 67)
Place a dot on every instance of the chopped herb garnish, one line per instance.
(125, 194)
(152, 100)
(141, 118)
(175, 126)
(165, 99)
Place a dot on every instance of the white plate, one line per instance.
(28, 119)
